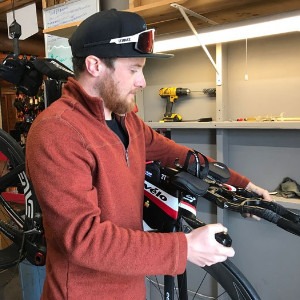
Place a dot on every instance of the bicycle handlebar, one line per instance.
(237, 200)
(268, 210)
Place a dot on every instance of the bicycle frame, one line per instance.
(28, 234)
(171, 207)
(193, 180)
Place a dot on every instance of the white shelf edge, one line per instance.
(182, 125)
(290, 203)
(227, 125)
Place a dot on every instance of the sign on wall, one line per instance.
(62, 14)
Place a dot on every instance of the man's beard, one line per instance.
(108, 91)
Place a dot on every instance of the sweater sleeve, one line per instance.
(165, 150)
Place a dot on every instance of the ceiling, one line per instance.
(158, 14)
(167, 19)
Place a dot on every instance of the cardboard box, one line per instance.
(4, 241)
(49, 3)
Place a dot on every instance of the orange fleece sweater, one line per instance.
(90, 190)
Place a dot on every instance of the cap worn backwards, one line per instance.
(93, 36)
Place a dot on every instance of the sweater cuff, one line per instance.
(182, 250)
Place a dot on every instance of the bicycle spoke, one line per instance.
(200, 285)
(197, 294)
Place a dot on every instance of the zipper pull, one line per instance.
(127, 157)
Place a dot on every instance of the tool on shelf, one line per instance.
(269, 118)
(172, 94)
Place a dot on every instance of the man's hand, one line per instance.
(259, 191)
(203, 249)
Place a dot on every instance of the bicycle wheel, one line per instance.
(12, 201)
(222, 281)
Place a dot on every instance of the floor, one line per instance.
(10, 287)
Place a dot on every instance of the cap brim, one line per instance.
(156, 55)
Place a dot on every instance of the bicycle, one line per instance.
(21, 232)
(21, 228)
(177, 188)
(171, 196)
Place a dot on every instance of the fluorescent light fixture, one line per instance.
(276, 24)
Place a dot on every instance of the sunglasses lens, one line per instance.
(145, 42)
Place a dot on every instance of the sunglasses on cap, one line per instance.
(144, 41)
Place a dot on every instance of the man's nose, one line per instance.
(141, 81)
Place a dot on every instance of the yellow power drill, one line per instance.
(172, 94)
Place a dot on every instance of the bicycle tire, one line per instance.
(225, 282)
(9, 148)
(233, 281)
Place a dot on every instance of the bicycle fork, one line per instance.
(169, 283)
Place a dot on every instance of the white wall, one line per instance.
(274, 77)
(188, 69)
(273, 68)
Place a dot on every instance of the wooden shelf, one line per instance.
(63, 30)
(158, 9)
(166, 19)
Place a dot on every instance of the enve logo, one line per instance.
(27, 192)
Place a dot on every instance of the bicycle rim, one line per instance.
(12, 156)
(221, 281)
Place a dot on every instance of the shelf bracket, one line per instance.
(184, 12)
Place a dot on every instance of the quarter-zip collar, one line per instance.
(95, 105)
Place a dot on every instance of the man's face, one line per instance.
(118, 86)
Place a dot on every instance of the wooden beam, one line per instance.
(169, 20)
(6, 5)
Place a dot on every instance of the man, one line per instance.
(86, 157)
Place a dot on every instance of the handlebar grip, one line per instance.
(284, 212)
(169, 107)
(273, 217)
(289, 226)
(265, 214)
(223, 238)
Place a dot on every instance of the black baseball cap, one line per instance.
(113, 33)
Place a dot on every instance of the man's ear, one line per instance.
(94, 65)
